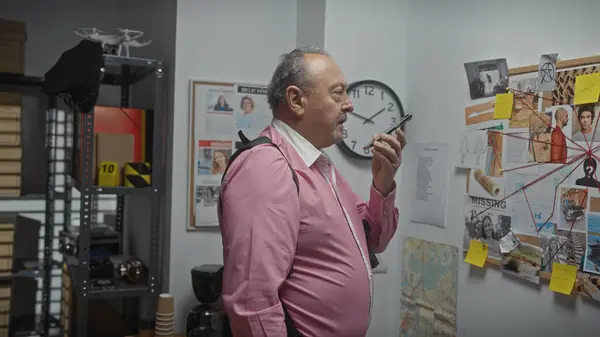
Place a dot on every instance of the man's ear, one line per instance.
(295, 100)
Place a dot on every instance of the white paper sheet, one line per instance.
(547, 72)
(517, 148)
(508, 242)
(472, 150)
(431, 183)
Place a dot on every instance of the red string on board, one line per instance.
(585, 153)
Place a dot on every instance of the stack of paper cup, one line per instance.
(165, 316)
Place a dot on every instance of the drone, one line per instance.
(121, 41)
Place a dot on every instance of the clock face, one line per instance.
(376, 108)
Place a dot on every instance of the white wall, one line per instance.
(310, 23)
(216, 40)
(442, 36)
(368, 39)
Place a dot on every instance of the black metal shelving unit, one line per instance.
(123, 72)
(46, 324)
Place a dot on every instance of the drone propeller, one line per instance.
(88, 30)
(128, 31)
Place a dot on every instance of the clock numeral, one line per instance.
(367, 150)
(390, 106)
(382, 95)
(344, 133)
(355, 93)
(353, 144)
(369, 90)
(393, 121)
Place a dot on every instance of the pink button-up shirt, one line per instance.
(269, 229)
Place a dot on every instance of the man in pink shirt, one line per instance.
(304, 249)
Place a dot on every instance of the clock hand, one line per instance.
(371, 119)
(361, 117)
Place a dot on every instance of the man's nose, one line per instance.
(348, 106)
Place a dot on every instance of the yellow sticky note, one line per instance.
(563, 278)
(587, 88)
(477, 254)
(504, 105)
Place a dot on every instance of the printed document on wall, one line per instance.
(431, 183)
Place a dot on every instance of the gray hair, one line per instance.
(291, 70)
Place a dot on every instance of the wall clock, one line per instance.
(376, 107)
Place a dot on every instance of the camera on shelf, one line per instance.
(129, 269)
(107, 264)
(104, 241)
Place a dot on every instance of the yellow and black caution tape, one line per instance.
(137, 175)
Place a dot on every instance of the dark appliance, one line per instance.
(207, 319)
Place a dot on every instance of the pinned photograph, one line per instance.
(509, 242)
(540, 137)
(219, 101)
(488, 221)
(556, 249)
(524, 262)
(586, 174)
(205, 203)
(525, 102)
(487, 78)
(252, 113)
(490, 182)
(561, 128)
(573, 209)
(585, 119)
(524, 86)
(575, 247)
(213, 156)
(588, 285)
(592, 255)
(547, 72)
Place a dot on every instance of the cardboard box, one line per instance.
(13, 36)
(116, 147)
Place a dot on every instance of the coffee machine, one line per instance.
(207, 319)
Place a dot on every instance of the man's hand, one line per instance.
(387, 157)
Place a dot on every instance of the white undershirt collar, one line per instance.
(305, 149)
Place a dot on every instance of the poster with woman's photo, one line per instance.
(252, 114)
(218, 119)
(205, 203)
(212, 159)
(218, 111)
(220, 100)
(486, 220)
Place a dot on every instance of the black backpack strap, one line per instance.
(372, 257)
(248, 144)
